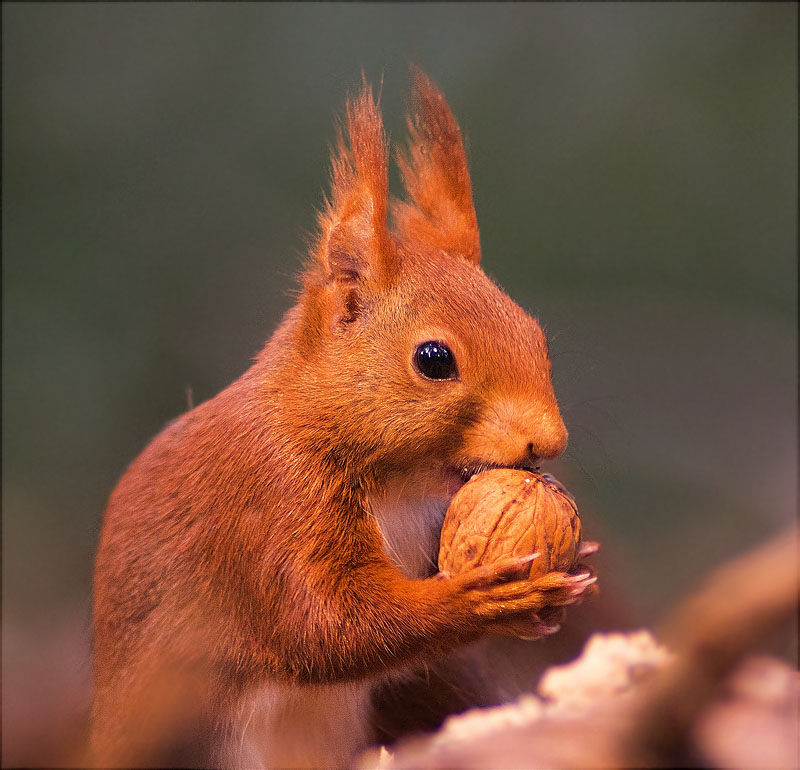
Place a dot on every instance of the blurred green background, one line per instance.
(635, 177)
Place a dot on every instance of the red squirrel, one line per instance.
(265, 591)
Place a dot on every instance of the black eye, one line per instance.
(436, 361)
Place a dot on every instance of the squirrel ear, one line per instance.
(440, 210)
(354, 243)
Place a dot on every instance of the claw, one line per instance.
(542, 627)
(520, 568)
(539, 628)
(580, 577)
(580, 586)
(588, 548)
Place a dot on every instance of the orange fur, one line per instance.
(435, 174)
(244, 565)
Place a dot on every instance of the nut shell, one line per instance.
(507, 512)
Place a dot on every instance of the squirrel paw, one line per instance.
(504, 589)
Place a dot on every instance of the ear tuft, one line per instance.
(440, 210)
(354, 242)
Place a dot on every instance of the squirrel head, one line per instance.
(405, 353)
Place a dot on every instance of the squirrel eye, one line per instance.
(435, 361)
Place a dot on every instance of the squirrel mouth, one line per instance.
(468, 470)
(455, 476)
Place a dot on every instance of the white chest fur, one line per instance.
(410, 524)
(289, 726)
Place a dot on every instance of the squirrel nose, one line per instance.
(517, 434)
(532, 460)
(550, 442)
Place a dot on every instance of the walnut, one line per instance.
(508, 512)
